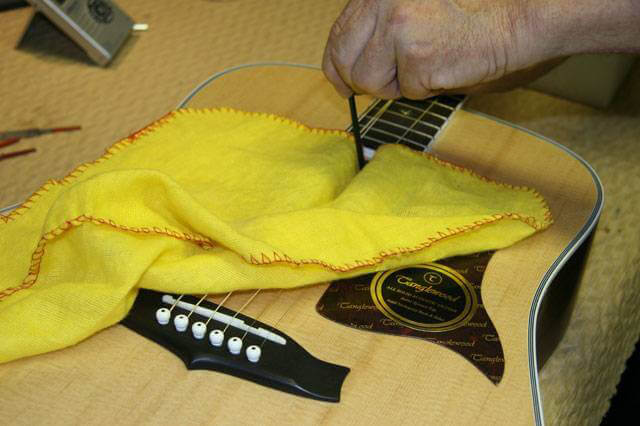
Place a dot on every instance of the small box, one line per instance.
(590, 79)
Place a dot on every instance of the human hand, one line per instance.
(420, 48)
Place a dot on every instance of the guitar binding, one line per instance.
(287, 367)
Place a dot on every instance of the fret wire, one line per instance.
(399, 102)
(400, 137)
(456, 101)
(375, 118)
(426, 123)
(435, 114)
(374, 139)
(418, 119)
(423, 113)
(364, 115)
(444, 106)
(370, 107)
(382, 120)
(433, 102)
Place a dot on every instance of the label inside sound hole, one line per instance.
(428, 297)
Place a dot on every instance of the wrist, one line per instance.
(542, 30)
(568, 27)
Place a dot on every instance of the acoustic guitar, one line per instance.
(290, 363)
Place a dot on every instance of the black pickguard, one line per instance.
(289, 368)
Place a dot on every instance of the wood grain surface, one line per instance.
(393, 380)
(46, 81)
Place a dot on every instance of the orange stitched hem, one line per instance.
(36, 258)
(207, 243)
(548, 220)
(70, 178)
(161, 122)
(264, 259)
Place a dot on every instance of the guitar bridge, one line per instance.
(222, 340)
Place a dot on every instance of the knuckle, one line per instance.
(400, 13)
(440, 80)
(417, 53)
(411, 90)
(363, 80)
(336, 57)
(371, 80)
(412, 93)
(337, 29)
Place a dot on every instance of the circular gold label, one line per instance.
(429, 297)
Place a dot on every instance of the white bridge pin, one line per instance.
(199, 330)
(163, 315)
(181, 322)
(216, 337)
(235, 345)
(253, 353)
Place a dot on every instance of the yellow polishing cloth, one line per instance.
(206, 201)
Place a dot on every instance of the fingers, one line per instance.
(348, 37)
(391, 49)
(374, 71)
(361, 54)
(334, 77)
(416, 72)
(512, 80)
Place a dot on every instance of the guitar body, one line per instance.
(119, 377)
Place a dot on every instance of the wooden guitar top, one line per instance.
(119, 377)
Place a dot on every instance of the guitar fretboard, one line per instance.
(412, 123)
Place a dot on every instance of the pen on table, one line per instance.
(16, 153)
(31, 133)
(355, 128)
(12, 137)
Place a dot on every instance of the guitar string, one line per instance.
(196, 306)
(415, 121)
(375, 119)
(402, 127)
(278, 322)
(264, 310)
(241, 309)
(367, 127)
(218, 307)
(365, 130)
(370, 124)
(175, 303)
(420, 119)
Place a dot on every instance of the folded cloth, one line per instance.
(207, 201)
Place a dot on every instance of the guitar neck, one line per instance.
(415, 124)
